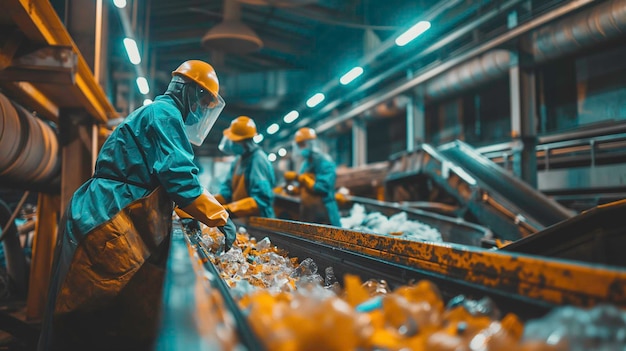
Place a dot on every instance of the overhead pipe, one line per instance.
(488, 67)
(602, 23)
(432, 72)
(403, 65)
(32, 147)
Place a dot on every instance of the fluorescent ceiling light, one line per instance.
(351, 75)
(132, 51)
(271, 157)
(142, 84)
(412, 33)
(120, 3)
(147, 102)
(258, 138)
(273, 128)
(282, 152)
(291, 116)
(315, 100)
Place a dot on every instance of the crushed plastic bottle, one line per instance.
(570, 328)
(305, 268)
(330, 280)
(263, 244)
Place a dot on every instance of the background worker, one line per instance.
(247, 190)
(112, 244)
(317, 180)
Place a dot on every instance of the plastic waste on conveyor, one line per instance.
(527, 286)
(198, 312)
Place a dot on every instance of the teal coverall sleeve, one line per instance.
(261, 182)
(226, 188)
(169, 151)
(324, 176)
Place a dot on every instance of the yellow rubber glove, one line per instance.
(207, 210)
(243, 208)
(341, 198)
(307, 180)
(220, 199)
(290, 176)
(182, 214)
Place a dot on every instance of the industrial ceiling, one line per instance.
(272, 55)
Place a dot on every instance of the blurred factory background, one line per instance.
(506, 115)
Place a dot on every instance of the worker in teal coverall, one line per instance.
(247, 190)
(112, 244)
(317, 181)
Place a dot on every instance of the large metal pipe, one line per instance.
(403, 65)
(599, 24)
(431, 72)
(488, 67)
(31, 146)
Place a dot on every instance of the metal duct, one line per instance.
(263, 90)
(599, 24)
(31, 146)
(488, 67)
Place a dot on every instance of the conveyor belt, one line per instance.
(534, 282)
(508, 206)
(189, 306)
(454, 230)
(344, 261)
(526, 285)
(533, 204)
(595, 236)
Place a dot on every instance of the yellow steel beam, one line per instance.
(551, 280)
(40, 23)
(27, 94)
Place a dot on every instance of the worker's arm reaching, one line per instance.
(230, 234)
(243, 208)
(307, 180)
(208, 211)
(290, 176)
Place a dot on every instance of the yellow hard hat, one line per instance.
(305, 134)
(200, 72)
(241, 128)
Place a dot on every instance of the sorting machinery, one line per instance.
(483, 190)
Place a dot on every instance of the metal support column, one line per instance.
(87, 23)
(42, 255)
(359, 142)
(523, 112)
(75, 138)
(91, 37)
(415, 119)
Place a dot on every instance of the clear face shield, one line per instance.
(204, 109)
(304, 148)
(230, 147)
